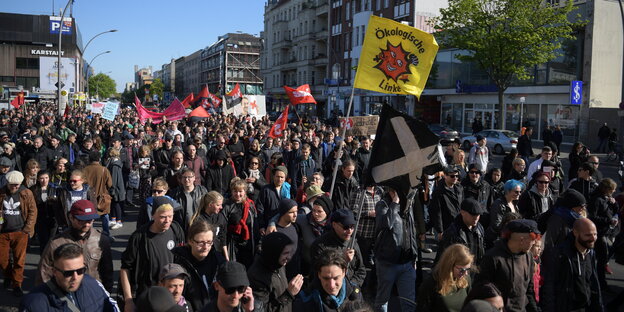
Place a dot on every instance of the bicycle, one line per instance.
(615, 152)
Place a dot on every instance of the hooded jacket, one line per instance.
(458, 233)
(531, 203)
(512, 274)
(267, 277)
(559, 225)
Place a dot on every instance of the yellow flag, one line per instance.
(395, 58)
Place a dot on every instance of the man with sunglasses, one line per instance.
(233, 291)
(96, 247)
(339, 236)
(445, 200)
(70, 289)
(476, 188)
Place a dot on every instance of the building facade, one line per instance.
(143, 76)
(295, 51)
(234, 58)
(29, 55)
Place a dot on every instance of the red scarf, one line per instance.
(241, 227)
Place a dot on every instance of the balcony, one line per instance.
(283, 44)
(306, 36)
(322, 35)
(322, 8)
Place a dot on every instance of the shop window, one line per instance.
(26, 63)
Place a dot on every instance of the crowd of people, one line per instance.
(229, 219)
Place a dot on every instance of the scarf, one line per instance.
(241, 227)
(317, 227)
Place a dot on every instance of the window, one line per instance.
(27, 82)
(377, 5)
(26, 63)
(348, 11)
(386, 3)
(363, 27)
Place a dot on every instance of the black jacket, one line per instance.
(570, 282)
(512, 274)
(480, 191)
(356, 271)
(219, 178)
(444, 205)
(600, 210)
(315, 299)
(531, 206)
(584, 187)
(187, 209)
(458, 233)
(525, 146)
(343, 190)
(196, 292)
(397, 240)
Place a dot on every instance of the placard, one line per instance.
(360, 125)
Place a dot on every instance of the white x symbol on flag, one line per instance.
(415, 158)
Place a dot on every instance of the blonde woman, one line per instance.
(30, 174)
(459, 161)
(446, 289)
(211, 205)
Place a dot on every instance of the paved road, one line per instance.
(8, 302)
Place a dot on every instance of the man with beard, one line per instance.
(70, 289)
(570, 276)
(267, 275)
(96, 247)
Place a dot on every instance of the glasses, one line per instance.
(463, 271)
(453, 176)
(347, 227)
(542, 182)
(158, 191)
(239, 289)
(204, 243)
(74, 181)
(475, 172)
(254, 163)
(70, 273)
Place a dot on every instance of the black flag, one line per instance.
(404, 149)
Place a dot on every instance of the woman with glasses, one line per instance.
(253, 177)
(200, 260)
(538, 199)
(503, 206)
(447, 287)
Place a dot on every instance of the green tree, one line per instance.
(103, 85)
(505, 37)
(156, 88)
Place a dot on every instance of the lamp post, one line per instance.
(89, 65)
(522, 100)
(61, 110)
(87, 45)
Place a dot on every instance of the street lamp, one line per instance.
(85, 48)
(61, 110)
(93, 59)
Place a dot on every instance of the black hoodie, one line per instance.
(267, 277)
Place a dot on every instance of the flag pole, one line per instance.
(357, 222)
(344, 132)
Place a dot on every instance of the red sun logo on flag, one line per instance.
(394, 62)
(346, 123)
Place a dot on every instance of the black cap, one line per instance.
(343, 216)
(480, 137)
(472, 206)
(116, 138)
(571, 198)
(326, 203)
(473, 166)
(522, 226)
(232, 274)
(285, 205)
(157, 299)
(451, 169)
(168, 137)
(159, 201)
(220, 155)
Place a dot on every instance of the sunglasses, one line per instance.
(463, 270)
(70, 273)
(239, 289)
(348, 227)
(254, 163)
(158, 191)
(74, 181)
(475, 172)
(542, 182)
(452, 176)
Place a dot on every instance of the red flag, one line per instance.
(208, 99)
(234, 97)
(280, 125)
(301, 95)
(188, 100)
(175, 111)
(18, 101)
(199, 112)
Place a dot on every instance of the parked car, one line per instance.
(498, 141)
(445, 133)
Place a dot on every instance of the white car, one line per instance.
(498, 141)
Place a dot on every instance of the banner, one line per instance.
(175, 111)
(48, 73)
(252, 105)
(110, 110)
(360, 125)
(395, 58)
(97, 108)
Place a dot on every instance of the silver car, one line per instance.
(498, 141)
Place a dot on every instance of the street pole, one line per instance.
(89, 65)
(61, 110)
(85, 50)
(522, 99)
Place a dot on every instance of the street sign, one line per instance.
(576, 92)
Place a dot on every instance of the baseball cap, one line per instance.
(450, 169)
(232, 274)
(157, 299)
(84, 210)
(343, 216)
(172, 270)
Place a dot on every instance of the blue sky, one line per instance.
(149, 32)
